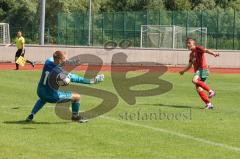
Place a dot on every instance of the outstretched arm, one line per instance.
(212, 53)
(78, 79)
(188, 67)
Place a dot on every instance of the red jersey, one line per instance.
(198, 59)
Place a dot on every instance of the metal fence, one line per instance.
(31, 34)
(223, 26)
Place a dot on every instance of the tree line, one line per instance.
(26, 12)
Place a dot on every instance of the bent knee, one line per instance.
(199, 89)
(75, 97)
(194, 81)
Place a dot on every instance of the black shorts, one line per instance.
(19, 53)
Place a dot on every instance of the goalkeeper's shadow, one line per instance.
(24, 122)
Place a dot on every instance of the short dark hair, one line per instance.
(58, 55)
(191, 39)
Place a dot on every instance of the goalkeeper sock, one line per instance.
(75, 108)
(39, 104)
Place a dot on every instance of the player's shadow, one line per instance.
(29, 128)
(173, 106)
(34, 122)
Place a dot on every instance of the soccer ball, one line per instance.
(63, 79)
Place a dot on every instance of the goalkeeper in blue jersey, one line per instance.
(49, 94)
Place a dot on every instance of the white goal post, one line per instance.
(4, 33)
(170, 36)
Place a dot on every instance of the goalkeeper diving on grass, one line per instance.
(48, 94)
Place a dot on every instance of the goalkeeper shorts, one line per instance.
(54, 96)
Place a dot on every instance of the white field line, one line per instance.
(202, 140)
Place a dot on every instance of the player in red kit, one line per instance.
(197, 59)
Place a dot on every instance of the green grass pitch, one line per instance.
(198, 134)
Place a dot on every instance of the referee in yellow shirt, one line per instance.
(20, 44)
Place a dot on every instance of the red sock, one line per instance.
(203, 85)
(204, 97)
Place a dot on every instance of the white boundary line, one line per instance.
(202, 140)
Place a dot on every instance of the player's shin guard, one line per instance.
(204, 97)
(203, 85)
(39, 104)
(75, 108)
